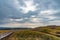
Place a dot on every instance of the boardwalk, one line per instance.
(5, 35)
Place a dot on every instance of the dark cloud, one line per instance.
(8, 11)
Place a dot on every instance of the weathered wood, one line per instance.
(5, 35)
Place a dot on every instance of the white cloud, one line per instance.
(33, 16)
(21, 25)
(25, 18)
(48, 12)
(16, 19)
(50, 17)
(55, 22)
(36, 20)
(29, 6)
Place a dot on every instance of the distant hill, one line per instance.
(6, 28)
(49, 26)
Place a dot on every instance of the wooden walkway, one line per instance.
(4, 35)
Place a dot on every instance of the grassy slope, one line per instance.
(48, 30)
(42, 33)
(3, 31)
(36, 34)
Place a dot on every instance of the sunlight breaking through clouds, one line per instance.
(29, 11)
(29, 6)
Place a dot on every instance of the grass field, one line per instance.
(3, 31)
(40, 33)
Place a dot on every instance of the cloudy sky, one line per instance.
(29, 13)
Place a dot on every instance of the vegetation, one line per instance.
(34, 35)
(3, 31)
(40, 33)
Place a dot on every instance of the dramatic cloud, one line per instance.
(29, 6)
(49, 14)
(16, 19)
(55, 22)
(29, 12)
(21, 25)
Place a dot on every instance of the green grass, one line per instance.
(34, 35)
(41, 33)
